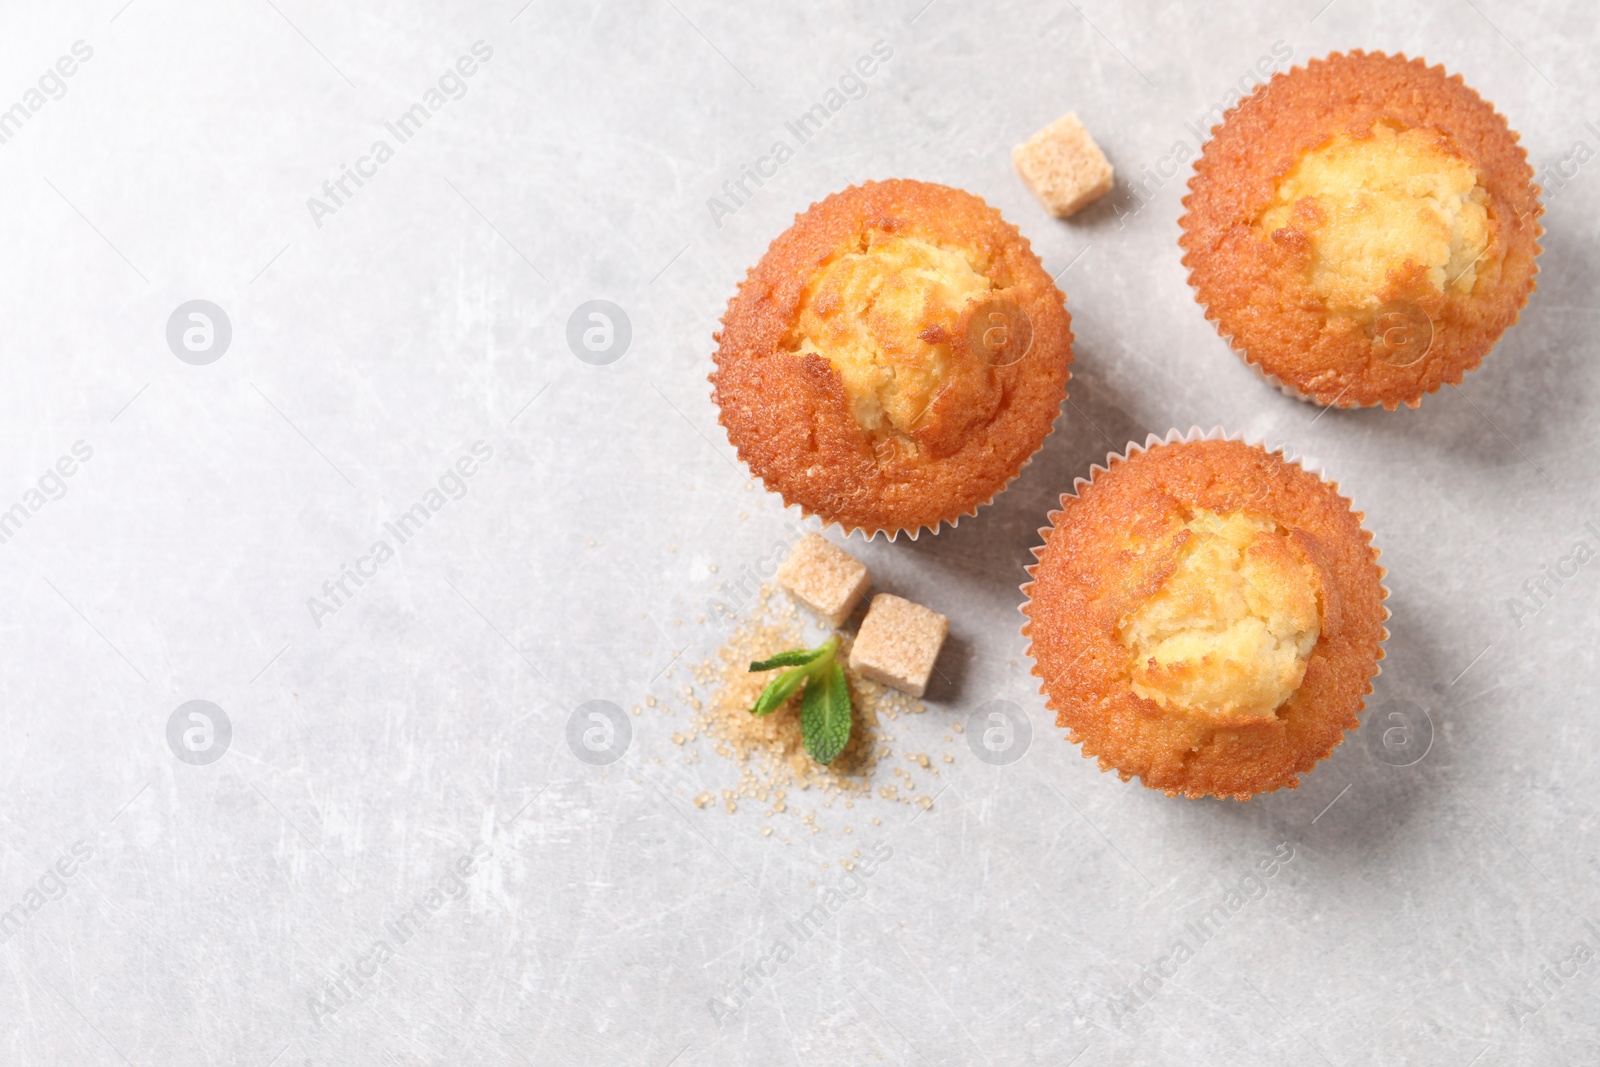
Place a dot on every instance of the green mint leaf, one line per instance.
(779, 690)
(825, 714)
(798, 658)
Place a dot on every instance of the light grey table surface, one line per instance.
(1436, 913)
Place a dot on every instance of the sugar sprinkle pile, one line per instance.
(769, 751)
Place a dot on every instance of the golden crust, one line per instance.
(1113, 544)
(790, 418)
(1228, 634)
(1253, 287)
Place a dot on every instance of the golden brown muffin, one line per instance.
(1207, 616)
(894, 359)
(1362, 230)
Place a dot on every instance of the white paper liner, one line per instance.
(1456, 377)
(1194, 434)
(911, 534)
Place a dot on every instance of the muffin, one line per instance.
(1206, 615)
(1362, 230)
(894, 359)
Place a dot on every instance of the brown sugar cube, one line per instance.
(898, 642)
(1063, 166)
(824, 578)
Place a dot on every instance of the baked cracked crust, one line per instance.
(1257, 270)
(894, 359)
(1122, 541)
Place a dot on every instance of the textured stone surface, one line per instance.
(1032, 915)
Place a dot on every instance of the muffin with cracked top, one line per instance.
(1206, 615)
(1362, 230)
(894, 359)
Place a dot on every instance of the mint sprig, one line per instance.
(825, 714)
(797, 658)
(825, 709)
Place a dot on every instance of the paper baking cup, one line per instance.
(1455, 378)
(1295, 394)
(1172, 437)
(940, 524)
(911, 534)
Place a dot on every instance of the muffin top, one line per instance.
(894, 358)
(1207, 616)
(1363, 229)
(1227, 635)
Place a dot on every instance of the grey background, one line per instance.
(428, 715)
